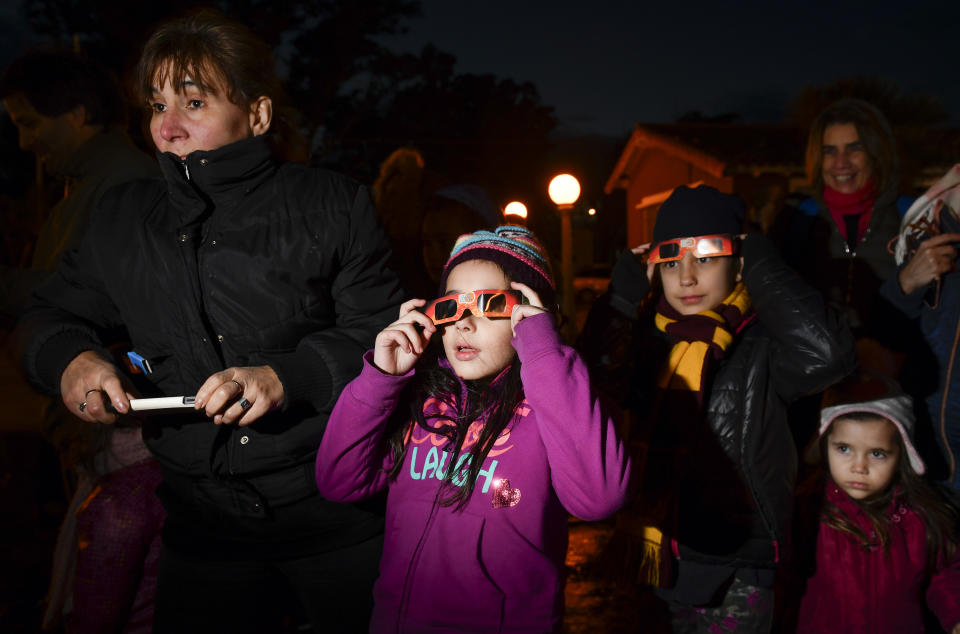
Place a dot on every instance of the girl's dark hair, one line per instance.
(938, 514)
(494, 400)
(875, 134)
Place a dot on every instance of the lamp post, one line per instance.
(515, 212)
(564, 190)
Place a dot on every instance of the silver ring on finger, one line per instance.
(82, 406)
(239, 385)
(244, 404)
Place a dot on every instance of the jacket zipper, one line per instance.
(848, 295)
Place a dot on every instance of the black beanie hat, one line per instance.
(702, 211)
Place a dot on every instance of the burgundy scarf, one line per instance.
(699, 340)
(859, 203)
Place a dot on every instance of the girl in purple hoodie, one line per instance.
(484, 429)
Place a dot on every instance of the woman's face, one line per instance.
(185, 119)
(846, 166)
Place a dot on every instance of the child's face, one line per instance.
(477, 347)
(692, 285)
(863, 455)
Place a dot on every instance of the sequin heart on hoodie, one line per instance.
(504, 495)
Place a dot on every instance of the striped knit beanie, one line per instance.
(515, 249)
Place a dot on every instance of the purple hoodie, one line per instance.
(496, 565)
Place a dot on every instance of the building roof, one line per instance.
(718, 149)
(732, 149)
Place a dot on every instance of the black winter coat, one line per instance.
(735, 493)
(849, 279)
(232, 259)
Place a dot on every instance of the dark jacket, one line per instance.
(932, 372)
(233, 259)
(849, 279)
(736, 491)
(104, 161)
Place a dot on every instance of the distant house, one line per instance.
(760, 163)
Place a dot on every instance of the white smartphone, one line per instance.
(165, 402)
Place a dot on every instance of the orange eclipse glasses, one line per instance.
(701, 246)
(482, 303)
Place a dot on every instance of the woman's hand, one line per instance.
(933, 258)
(240, 395)
(400, 345)
(522, 311)
(93, 388)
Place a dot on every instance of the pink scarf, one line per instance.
(859, 203)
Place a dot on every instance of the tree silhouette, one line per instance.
(477, 128)
(321, 45)
(902, 109)
(358, 100)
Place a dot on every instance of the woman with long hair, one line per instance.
(838, 237)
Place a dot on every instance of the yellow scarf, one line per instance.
(698, 335)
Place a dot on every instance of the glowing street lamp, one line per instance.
(515, 211)
(564, 190)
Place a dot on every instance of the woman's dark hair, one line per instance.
(493, 401)
(213, 51)
(939, 516)
(210, 49)
(875, 135)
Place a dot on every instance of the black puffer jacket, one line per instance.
(232, 259)
(849, 279)
(735, 496)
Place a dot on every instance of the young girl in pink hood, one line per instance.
(885, 544)
(483, 428)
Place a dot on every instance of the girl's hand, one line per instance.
(522, 311)
(399, 345)
(641, 251)
(956, 629)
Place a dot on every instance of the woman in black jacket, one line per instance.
(254, 285)
(706, 342)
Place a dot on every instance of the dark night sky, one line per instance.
(607, 64)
